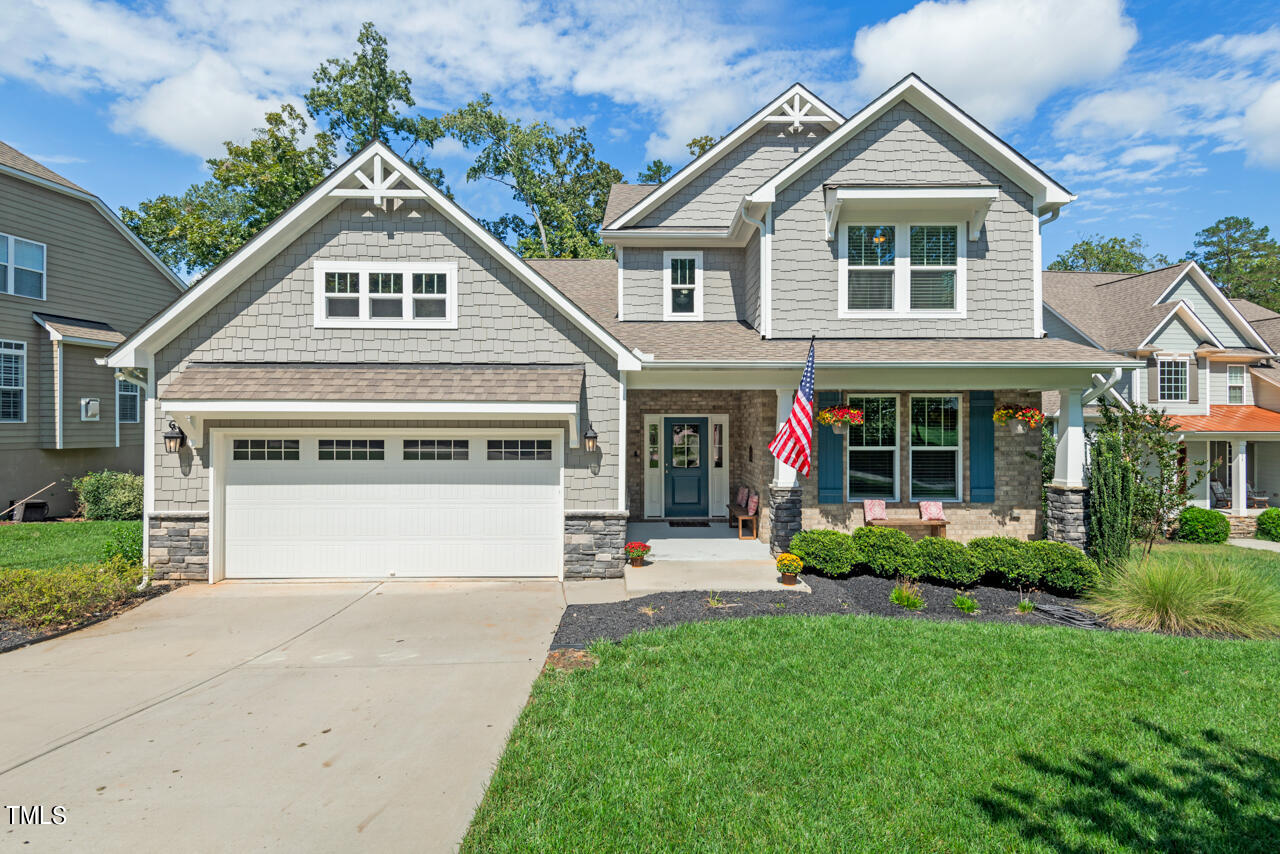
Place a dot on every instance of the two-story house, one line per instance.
(74, 281)
(1207, 361)
(374, 385)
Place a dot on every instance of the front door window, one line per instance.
(685, 446)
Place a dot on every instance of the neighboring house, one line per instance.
(374, 385)
(74, 281)
(1209, 363)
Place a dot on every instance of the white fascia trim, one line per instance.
(1028, 176)
(1108, 365)
(1183, 310)
(700, 164)
(1218, 298)
(324, 408)
(304, 213)
(1072, 326)
(973, 202)
(106, 212)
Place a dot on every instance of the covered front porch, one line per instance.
(1239, 447)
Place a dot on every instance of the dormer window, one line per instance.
(901, 269)
(682, 286)
(404, 295)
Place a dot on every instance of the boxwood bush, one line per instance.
(887, 552)
(1063, 568)
(830, 553)
(1200, 525)
(111, 495)
(947, 561)
(1269, 524)
(1004, 558)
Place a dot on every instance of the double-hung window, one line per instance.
(935, 447)
(127, 398)
(902, 269)
(1172, 380)
(13, 381)
(1235, 383)
(873, 448)
(403, 295)
(21, 267)
(682, 286)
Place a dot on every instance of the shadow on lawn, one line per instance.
(1223, 797)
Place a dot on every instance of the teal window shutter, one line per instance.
(830, 455)
(982, 447)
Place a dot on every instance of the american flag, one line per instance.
(794, 441)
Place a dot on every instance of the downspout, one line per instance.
(764, 258)
(1037, 272)
(134, 377)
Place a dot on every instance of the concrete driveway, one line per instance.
(297, 717)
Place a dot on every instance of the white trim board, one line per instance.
(1219, 299)
(1183, 311)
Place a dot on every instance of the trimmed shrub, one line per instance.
(830, 553)
(125, 542)
(1269, 524)
(1111, 497)
(1003, 558)
(109, 495)
(946, 560)
(1199, 525)
(65, 596)
(887, 552)
(1063, 568)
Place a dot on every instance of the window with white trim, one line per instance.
(351, 449)
(13, 381)
(21, 267)
(935, 447)
(403, 295)
(519, 449)
(437, 449)
(682, 286)
(1172, 379)
(264, 450)
(901, 269)
(128, 397)
(873, 448)
(1235, 383)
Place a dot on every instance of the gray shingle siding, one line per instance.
(724, 284)
(902, 147)
(500, 321)
(1207, 312)
(750, 311)
(714, 196)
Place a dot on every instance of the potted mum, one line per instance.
(636, 552)
(838, 418)
(789, 566)
(1019, 419)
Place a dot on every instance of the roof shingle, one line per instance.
(15, 159)
(92, 330)
(623, 197)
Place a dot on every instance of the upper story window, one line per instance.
(902, 269)
(386, 294)
(682, 286)
(21, 267)
(13, 381)
(1235, 383)
(127, 396)
(1172, 380)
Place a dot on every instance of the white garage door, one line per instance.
(376, 505)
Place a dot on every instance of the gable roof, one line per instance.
(796, 104)
(1047, 193)
(15, 164)
(622, 197)
(400, 181)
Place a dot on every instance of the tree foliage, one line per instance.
(1099, 254)
(555, 176)
(1243, 258)
(654, 172)
(700, 145)
(1111, 495)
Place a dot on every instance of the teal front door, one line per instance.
(685, 475)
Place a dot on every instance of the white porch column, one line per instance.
(783, 475)
(1069, 464)
(1239, 497)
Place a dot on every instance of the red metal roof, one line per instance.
(1231, 419)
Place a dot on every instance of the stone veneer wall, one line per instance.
(785, 516)
(1066, 520)
(178, 545)
(593, 543)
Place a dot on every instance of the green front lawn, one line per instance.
(864, 733)
(49, 545)
(1241, 557)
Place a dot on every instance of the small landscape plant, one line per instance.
(115, 495)
(887, 552)
(1269, 524)
(907, 595)
(965, 603)
(40, 598)
(831, 553)
(946, 560)
(1201, 525)
(1002, 557)
(790, 564)
(125, 543)
(1026, 606)
(1061, 567)
(637, 550)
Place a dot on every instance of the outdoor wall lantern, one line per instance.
(589, 438)
(174, 438)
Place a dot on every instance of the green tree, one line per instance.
(1098, 254)
(699, 145)
(555, 176)
(654, 172)
(362, 99)
(1243, 258)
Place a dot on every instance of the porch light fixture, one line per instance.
(174, 439)
(589, 439)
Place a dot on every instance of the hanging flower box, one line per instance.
(1019, 419)
(838, 418)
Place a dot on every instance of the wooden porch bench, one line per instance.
(914, 528)
(739, 513)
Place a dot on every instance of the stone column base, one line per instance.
(593, 543)
(784, 516)
(178, 545)
(1065, 519)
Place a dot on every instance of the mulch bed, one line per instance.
(866, 594)
(15, 636)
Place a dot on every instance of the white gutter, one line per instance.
(909, 364)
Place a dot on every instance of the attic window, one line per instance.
(401, 295)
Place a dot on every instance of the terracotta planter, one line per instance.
(789, 579)
(637, 562)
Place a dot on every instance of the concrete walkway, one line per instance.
(716, 542)
(679, 576)
(300, 717)
(1250, 543)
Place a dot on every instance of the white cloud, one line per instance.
(998, 59)
(1157, 155)
(1261, 127)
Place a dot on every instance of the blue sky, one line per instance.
(1161, 116)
